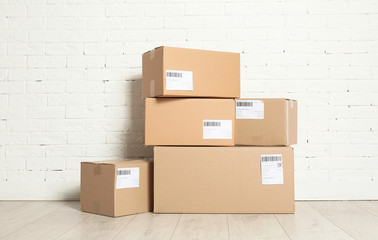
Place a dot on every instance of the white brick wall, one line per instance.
(70, 87)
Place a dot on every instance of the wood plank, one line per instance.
(255, 226)
(97, 227)
(307, 223)
(357, 222)
(51, 225)
(371, 206)
(25, 214)
(202, 226)
(8, 206)
(150, 226)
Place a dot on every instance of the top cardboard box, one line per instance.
(180, 72)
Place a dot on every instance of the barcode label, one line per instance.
(211, 124)
(179, 80)
(174, 74)
(249, 109)
(244, 104)
(124, 172)
(127, 178)
(217, 129)
(271, 158)
(271, 169)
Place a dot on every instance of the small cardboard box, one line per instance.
(189, 121)
(223, 180)
(116, 188)
(180, 72)
(265, 122)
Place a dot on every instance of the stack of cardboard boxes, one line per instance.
(214, 152)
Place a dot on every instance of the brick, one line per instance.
(148, 22)
(45, 112)
(27, 23)
(66, 23)
(65, 49)
(29, 125)
(82, 112)
(13, 62)
(13, 10)
(245, 8)
(48, 36)
(62, 99)
(13, 139)
(46, 138)
(65, 125)
(103, 49)
(86, 61)
(27, 99)
(25, 151)
(124, 10)
(107, 150)
(62, 74)
(111, 99)
(129, 35)
(86, 138)
(14, 36)
(47, 62)
(11, 164)
(37, 10)
(87, 36)
(84, 86)
(202, 9)
(45, 87)
(65, 151)
(63, 176)
(33, 164)
(105, 23)
(12, 113)
(214, 22)
(86, 10)
(26, 176)
(30, 49)
(27, 74)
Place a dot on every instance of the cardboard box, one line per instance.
(189, 121)
(266, 122)
(116, 188)
(180, 72)
(223, 180)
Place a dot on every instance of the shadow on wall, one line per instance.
(135, 125)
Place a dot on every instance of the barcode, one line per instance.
(244, 104)
(271, 158)
(124, 172)
(211, 124)
(174, 74)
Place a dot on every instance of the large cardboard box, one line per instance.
(189, 121)
(180, 72)
(266, 122)
(223, 180)
(116, 188)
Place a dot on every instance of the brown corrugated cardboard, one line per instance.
(223, 180)
(116, 188)
(180, 72)
(266, 122)
(189, 121)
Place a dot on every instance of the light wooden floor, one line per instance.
(312, 220)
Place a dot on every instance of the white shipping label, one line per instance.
(179, 80)
(127, 178)
(249, 109)
(271, 169)
(217, 129)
